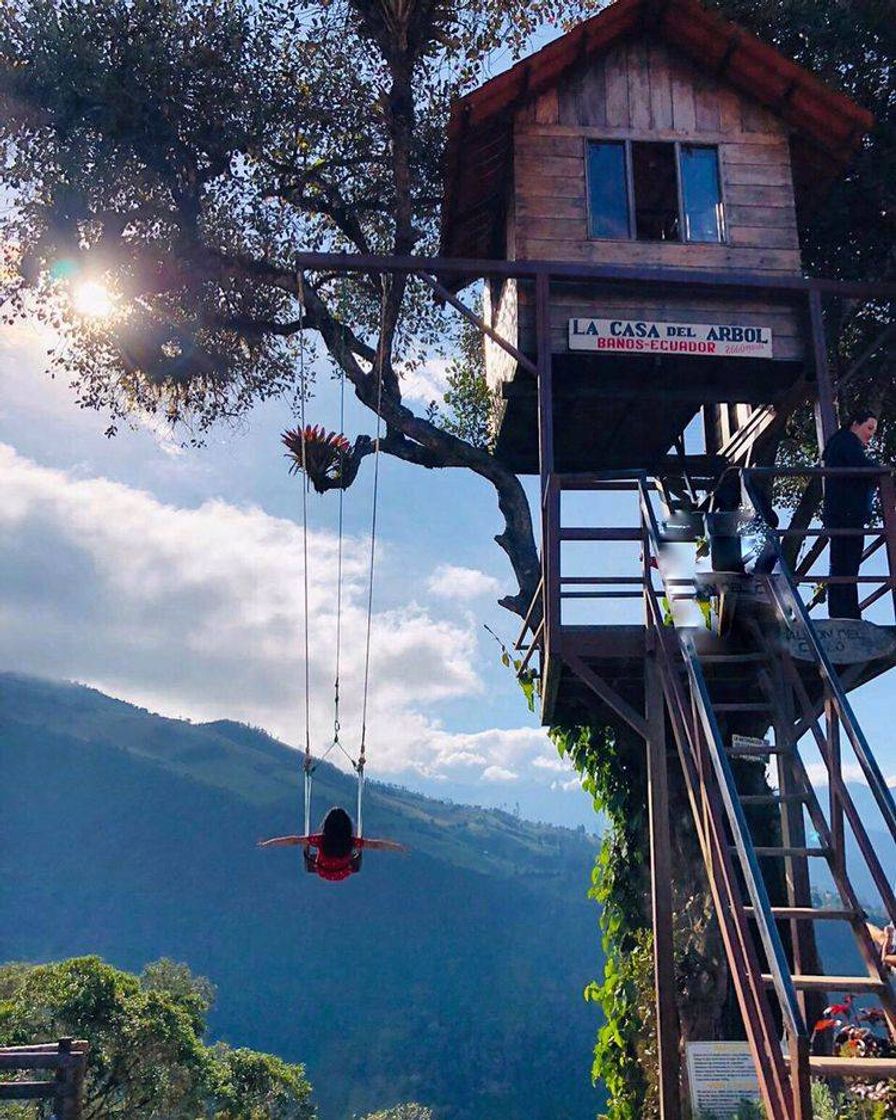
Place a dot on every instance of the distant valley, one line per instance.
(451, 975)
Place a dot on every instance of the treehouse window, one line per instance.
(701, 193)
(608, 213)
(654, 192)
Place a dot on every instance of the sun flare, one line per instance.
(93, 299)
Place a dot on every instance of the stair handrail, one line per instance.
(768, 931)
(863, 752)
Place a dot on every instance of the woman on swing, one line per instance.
(335, 852)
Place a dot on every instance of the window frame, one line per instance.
(627, 142)
(723, 223)
(616, 141)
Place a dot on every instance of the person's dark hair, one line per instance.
(860, 415)
(337, 838)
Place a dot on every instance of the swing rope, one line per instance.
(359, 766)
(308, 765)
(336, 724)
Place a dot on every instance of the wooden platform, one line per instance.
(617, 653)
(605, 407)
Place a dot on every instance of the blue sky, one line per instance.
(171, 577)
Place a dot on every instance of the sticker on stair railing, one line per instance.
(846, 641)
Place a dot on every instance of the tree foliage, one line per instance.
(146, 1056)
(471, 414)
(409, 1111)
(851, 234)
(183, 153)
(613, 773)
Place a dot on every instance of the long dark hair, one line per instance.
(337, 834)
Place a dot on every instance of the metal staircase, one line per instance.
(722, 694)
(743, 676)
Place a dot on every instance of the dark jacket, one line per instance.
(847, 501)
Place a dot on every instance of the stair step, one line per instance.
(812, 852)
(864, 984)
(809, 913)
(733, 658)
(774, 798)
(874, 1069)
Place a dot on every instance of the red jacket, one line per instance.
(333, 868)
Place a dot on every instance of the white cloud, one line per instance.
(573, 785)
(427, 382)
(556, 764)
(499, 774)
(852, 772)
(461, 584)
(199, 612)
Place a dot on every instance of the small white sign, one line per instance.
(721, 1076)
(748, 742)
(636, 336)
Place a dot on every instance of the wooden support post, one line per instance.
(888, 505)
(550, 493)
(825, 407)
(64, 1103)
(667, 1026)
(800, 1080)
(832, 735)
(545, 380)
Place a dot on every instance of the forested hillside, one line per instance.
(451, 975)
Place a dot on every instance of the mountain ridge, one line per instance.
(452, 975)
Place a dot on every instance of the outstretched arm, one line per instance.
(380, 845)
(285, 842)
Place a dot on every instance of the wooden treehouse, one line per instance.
(630, 195)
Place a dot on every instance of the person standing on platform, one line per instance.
(847, 505)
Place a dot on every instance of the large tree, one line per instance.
(182, 153)
(147, 1057)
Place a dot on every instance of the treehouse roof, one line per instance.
(826, 126)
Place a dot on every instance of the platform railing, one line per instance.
(883, 536)
(66, 1059)
(793, 612)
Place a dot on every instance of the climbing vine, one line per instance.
(613, 770)
(613, 773)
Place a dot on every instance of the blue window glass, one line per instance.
(701, 194)
(608, 215)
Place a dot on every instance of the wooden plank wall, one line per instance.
(643, 91)
(500, 309)
(574, 301)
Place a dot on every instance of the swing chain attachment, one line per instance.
(359, 770)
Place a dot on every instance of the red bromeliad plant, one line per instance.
(856, 1036)
(321, 454)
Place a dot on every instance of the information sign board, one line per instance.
(721, 1076)
(641, 336)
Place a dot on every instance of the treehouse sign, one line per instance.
(640, 336)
